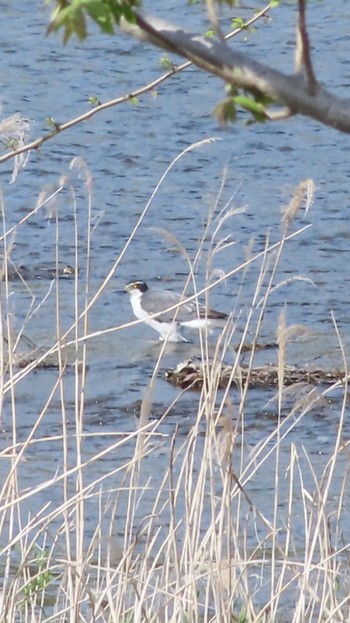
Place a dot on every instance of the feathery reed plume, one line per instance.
(303, 196)
(14, 133)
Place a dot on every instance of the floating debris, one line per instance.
(190, 374)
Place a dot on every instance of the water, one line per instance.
(126, 150)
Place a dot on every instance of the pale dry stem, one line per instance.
(207, 549)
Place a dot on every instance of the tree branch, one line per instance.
(59, 128)
(303, 55)
(214, 19)
(240, 70)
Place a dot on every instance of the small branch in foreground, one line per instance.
(302, 53)
(119, 100)
(214, 19)
(87, 115)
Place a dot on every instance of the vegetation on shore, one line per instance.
(208, 546)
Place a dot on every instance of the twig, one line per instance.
(214, 20)
(302, 53)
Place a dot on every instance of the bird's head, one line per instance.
(138, 285)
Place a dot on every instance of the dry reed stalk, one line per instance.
(207, 548)
(14, 133)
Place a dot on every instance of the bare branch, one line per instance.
(240, 70)
(302, 53)
(214, 19)
(25, 148)
(90, 113)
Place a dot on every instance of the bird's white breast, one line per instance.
(168, 331)
(135, 300)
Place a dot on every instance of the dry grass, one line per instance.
(229, 532)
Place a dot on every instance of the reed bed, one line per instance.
(232, 532)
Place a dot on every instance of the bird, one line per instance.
(146, 301)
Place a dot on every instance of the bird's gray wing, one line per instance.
(154, 301)
(211, 314)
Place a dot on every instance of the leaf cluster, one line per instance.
(71, 15)
(254, 103)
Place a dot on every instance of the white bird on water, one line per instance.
(145, 302)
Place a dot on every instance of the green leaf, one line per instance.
(51, 123)
(101, 14)
(58, 18)
(166, 63)
(70, 15)
(71, 18)
(231, 89)
(238, 22)
(225, 111)
(257, 109)
(94, 101)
